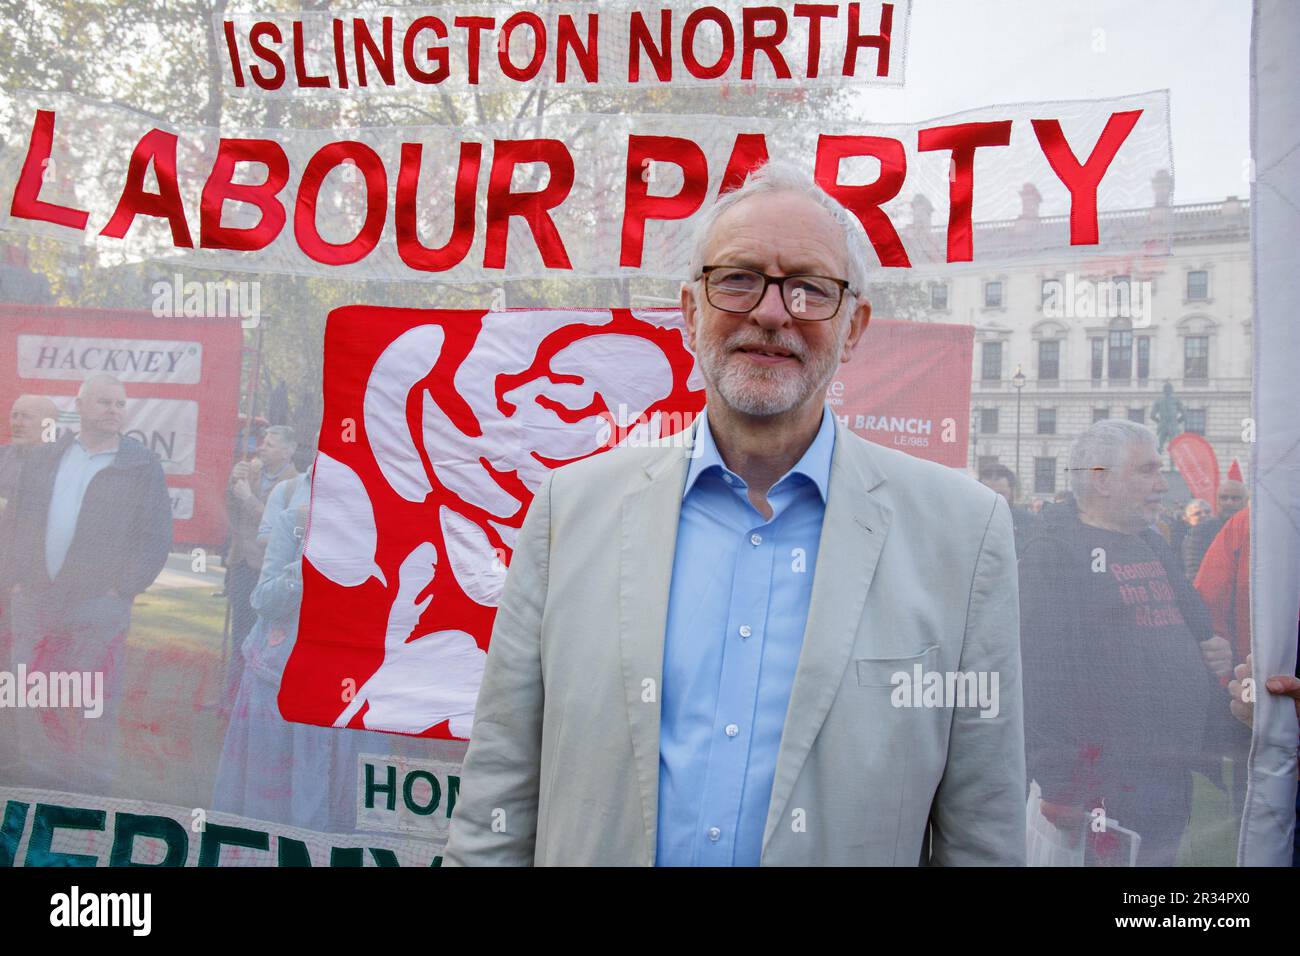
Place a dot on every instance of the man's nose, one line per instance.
(770, 311)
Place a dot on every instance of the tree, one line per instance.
(143, 58)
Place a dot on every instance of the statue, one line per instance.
(1169, 415)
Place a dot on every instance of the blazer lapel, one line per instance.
(649, 540)
(853, 534)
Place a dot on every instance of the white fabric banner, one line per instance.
(1268, 823)
(587, 46)
(48, 828)
(565, 195)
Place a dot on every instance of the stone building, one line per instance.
(1088, 336)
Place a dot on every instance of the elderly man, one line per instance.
(30, 418)
(88, 528)
(1122, 701)
(699, 651)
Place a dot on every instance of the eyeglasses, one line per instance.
(808, 298)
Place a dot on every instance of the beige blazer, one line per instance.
(916, 566)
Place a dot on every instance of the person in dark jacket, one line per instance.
(1231, 498)
(31, 419)
(1121, 665)
(88, 528)
(1003, 480)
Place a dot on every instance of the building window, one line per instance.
(1120, 355)
(993, 294)
(1196, 357)
(991, 362)
(1044, 476)
(1144, 357)
(988, 421)
(1098, 357)
(1049, 360)
(1196, 421)
(939, 296)
(1100, 415)
(1047, 421)
(1198, 285)
(1138, 415)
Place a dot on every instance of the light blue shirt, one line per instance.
(76, 468)
(281, 499)
(737, 608)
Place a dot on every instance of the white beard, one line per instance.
(756, 390)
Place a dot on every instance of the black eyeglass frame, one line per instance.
(780, 282)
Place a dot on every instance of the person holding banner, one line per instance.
(250, 486)
(697, 654)
(271, 769)
(88, 528)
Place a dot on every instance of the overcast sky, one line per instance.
(964, 54)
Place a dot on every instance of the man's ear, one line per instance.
(1102, 481)
(859, 319)
(690, 314)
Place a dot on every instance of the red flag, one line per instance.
(908, 388)
(439, 426)
(1196, 462)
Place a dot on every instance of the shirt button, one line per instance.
(746, 630)
(728, 479)
(715, 834)
(755, 539)
(732, 730)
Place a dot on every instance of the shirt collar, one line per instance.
(95, 454)
(815, 464)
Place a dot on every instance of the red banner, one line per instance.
(1196, 462)
(909, 388)
(438, 426)
(181, 378)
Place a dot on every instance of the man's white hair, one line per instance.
(1103, 446)
(780, 176)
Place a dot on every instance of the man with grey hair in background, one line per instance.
(698, 650)
(88, 528)
(1122, 697)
